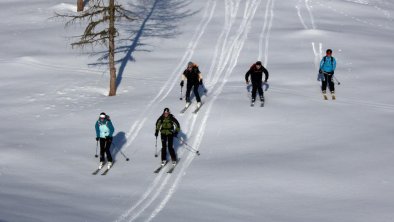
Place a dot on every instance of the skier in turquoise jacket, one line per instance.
(327, 68)
(104, 132)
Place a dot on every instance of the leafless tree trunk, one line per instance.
(111, 39)
(97, 15)
(80, 5)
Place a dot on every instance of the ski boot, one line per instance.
(109, 165)
(163, 162)
(325, 95)
(101, 165)
(333, 95)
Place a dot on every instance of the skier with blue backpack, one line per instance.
(327, 68)
(104, 132)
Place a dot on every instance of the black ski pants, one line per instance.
(195, 90)
(167, 141)
(105, 145)
(257, 86)
(327, 79)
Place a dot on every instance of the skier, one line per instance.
(169, 128)
(327, 68)
(256, 75)
(194, 78)
(104, 132)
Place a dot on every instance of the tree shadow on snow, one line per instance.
(154, 19)
(119, 140)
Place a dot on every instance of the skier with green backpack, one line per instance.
(169, 128)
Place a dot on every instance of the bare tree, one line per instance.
(80, 5)
(96, 31)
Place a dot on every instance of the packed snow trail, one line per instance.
(160, 191)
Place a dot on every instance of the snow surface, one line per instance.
(298, 159)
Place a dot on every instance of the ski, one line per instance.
(173, 166)
(325, 97)
(252, 104)
(333, 97)
(184, 109)
(262, 104)
(197, 109)
(105, 171)
(96, 171)
(159, 168)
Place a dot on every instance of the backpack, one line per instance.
(332, 59)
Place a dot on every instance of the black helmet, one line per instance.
(103, 115)
(259, 63)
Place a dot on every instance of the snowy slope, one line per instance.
(299, 158)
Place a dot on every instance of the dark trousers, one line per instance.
(195, 90)
(105, 145)
(327, 78)
(257, 87)
(167, 141)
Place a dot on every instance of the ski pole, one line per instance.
(127, 159)
(188, 147)
(181, 93)
(205, 89)
(96, 149)
(156, 148)
(337, 80)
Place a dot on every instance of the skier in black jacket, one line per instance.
(256, 74)
(194, 78)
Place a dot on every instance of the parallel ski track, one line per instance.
(154, 198)
(170, 83)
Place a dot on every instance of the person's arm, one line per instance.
(266, 74)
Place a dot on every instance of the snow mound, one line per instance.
(64, 7)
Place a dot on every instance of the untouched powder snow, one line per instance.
(298, 159)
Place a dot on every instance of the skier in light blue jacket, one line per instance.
(104, 132)
(327, 68)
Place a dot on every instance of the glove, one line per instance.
(247, 82)
(320, 71)
(182, 83)
(156, 133)
(200, 81)
(97, 138)
(266, 80)
(175, 134)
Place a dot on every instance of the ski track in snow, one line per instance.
(318, 54)
(236, 47)
(223, 64)
(157, 185)
(309, 9)
(170, 83)
(365, 22)
(265, 33)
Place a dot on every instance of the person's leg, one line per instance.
(108, 149)
(188, 91)
(324, 83)
(254, 91)
(164, 148)
(196, 94)
(171, 148)
(102, 149)
(331, 84)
